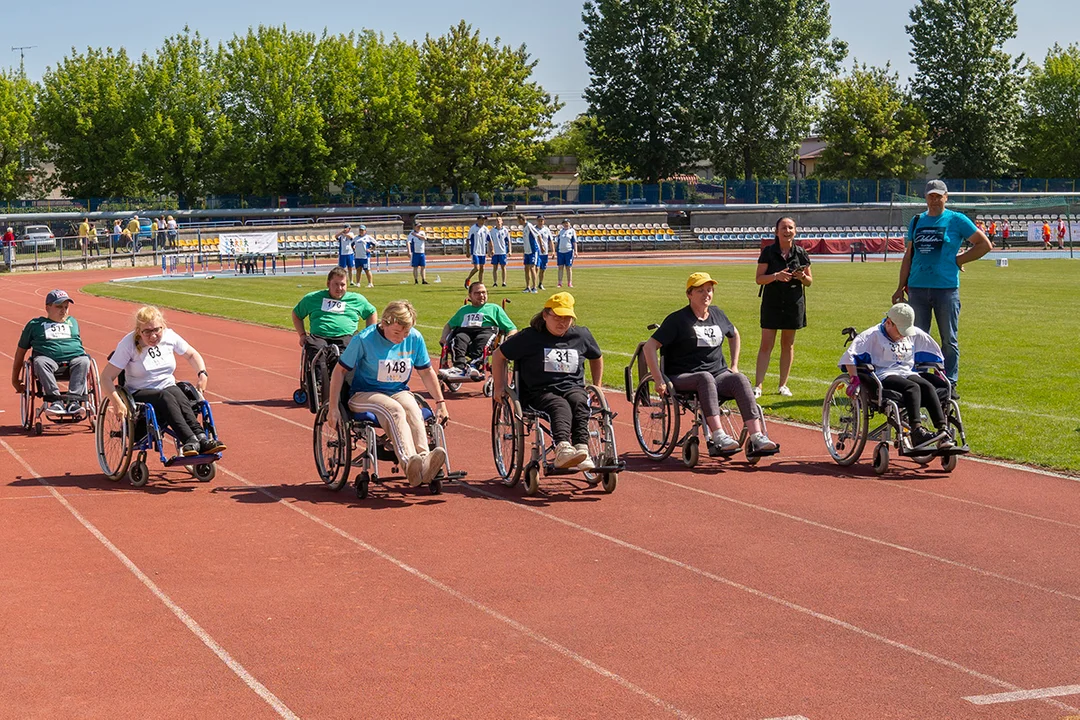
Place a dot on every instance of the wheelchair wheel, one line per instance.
(26, 407)
(608, 481)
(656, 420)
(93, 395)
(532, 480)
(363, 484)
(489, 387)
(139, 473)
(948, 462)
(39, 428)
(204, 472)
(435, 486)
(507, 441)
(113, 439)
(601, 443)
(845, 422)
(691, 451)
(299, 396)
(332, 447)
(881, 458)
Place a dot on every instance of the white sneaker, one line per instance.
(432, 464)
(370, 285)
(587, 463)
(785, 391)
(475, 373)
(759, 443)
(56, 408)
(757, 392)
(724, 442)
(414, 467)
(454, 373)
(568, 456)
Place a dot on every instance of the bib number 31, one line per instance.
(557, 360)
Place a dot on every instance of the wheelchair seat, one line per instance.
(369, 417)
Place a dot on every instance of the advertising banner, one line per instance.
(262, 243)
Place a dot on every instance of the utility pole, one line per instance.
(22, 54)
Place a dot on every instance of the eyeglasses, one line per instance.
(147, 332)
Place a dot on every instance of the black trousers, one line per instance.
(468, 343)
(569, 413)
(312, 345)
(917, 391)
(173, 409)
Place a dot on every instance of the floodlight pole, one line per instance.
(22, 54)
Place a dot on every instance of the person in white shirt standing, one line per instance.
(418, 253)
(544, 241)
(363, 245)
(500, 250)
(479, 239)
(565, 252)
(529, 235)
(346, 256)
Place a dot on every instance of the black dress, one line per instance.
(783, 304)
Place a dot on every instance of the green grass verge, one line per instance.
(1019, 364)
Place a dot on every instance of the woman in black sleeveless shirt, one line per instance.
(783, 271)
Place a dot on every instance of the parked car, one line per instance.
(39, 236)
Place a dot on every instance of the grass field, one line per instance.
(1019, 370)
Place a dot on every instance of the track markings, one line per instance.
(1019, 695)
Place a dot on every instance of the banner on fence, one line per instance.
(1035, 232)
(263, 243)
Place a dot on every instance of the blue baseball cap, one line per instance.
(56, 297)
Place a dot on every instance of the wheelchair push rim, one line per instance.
(332, 447)
(602, 448)
(844, 422)
(113, 439)
(656, 420)
(507, 441)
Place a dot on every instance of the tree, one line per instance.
(20, 148)
(966, 83)
(88, 116)
(768, 60)
(184, 129)
(1049, 128)
(581, 139)
(871, 128)
(645, 80)
(486, 119)
(275, 124)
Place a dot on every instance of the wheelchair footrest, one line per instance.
(181, 461)
(451, 477)
(763, 453)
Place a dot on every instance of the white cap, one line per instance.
(903, 317)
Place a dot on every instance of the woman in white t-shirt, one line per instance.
(147, 357)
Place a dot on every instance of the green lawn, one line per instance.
(1018, 332)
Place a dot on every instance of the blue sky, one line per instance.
(873, 29)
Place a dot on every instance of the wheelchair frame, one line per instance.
(846, 437)
(31, 417)
(669, 409)
(311, 392)
(511, 423)
(482, 363)
(123, 431)
(334, 448)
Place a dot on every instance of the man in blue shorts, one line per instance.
(500, 250)
(346, 256)
(930, 270)
(543, 249)
(531, 247)
(418, 253)
(364, 244)
(479, 239)
(565, 252)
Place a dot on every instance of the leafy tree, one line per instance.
(580, 138)
(1050, 133)
(88, 115)
(966, 83)
(20, 147)
(184, 129)
(645, 79)
(768, 60)
(871, 128)
(275, 124)
(485, 117)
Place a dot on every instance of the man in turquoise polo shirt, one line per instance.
(57, 347)
(470, 329)
(930, 271)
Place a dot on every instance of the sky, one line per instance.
(873, 29)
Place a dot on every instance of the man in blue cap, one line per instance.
(57, 347)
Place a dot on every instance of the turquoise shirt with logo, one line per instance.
(935, 242)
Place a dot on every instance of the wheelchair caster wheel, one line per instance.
(532, 480)
(299, 397)
(691, 451)
(489, 387)
(205, 472)
(138, 473)
(453, 386)
(881, 458)
(435, 486)
(608, 481)
(948, 463)
(38, 428)
(363, 482)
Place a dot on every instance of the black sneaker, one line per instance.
(189, 449)
(209, 446)
(920, 438)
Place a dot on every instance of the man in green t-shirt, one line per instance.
(472, 328)
(57, 347)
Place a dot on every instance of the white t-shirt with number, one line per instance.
(151, 368)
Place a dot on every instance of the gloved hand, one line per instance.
(853, 387)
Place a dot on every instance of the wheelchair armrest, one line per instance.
(190, 390)
(927, 366)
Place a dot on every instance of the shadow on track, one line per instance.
(158, 484)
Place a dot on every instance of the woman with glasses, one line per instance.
(147, 357)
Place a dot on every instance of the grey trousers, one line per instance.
(45, 369)
(710, 389)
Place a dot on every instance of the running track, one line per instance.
(794, 590)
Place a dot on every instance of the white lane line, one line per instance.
(196, 629)
(1023, 695)
(476, 604)
(791, 717)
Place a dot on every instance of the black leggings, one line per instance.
(172, 409)
(569, 413)
(468, 343)
(916, 391)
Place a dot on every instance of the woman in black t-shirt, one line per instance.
(551, 376)
(783, 271)
(691, 341)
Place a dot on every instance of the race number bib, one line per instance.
(333, 306)
(155, 358)
(473, 320)
(395, 371)
(560, 360)
(708, 335)
(57, 331)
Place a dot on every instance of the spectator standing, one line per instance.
(133, 228)
(544, 242)
(115, 237)
(84, 235)
(364, 244)
(418, 253)
(479, 240)
(1006, 229)
(9, 246)
(346, 254)
(783, 272)
(93, 246)
(154, 233)
(170, 230)
(161, 232)
(500, 251)
(565, 252)
(530, 250)
(1061, 230)
(1046, 234)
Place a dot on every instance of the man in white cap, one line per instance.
(930, 271)
(892, 347)
(57, 347)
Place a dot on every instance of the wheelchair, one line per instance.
(845, 421)
(118, 440)
(358, 440)
(33, 416)
(511, 423)
(481, 364)
(658, 420)
(315, 372)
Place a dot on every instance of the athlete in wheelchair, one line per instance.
(148, 406)
(896, 370)
(570, 423)
(381, 359)
(695, 378)
(334, 315)
(56, 353)
(470, 337)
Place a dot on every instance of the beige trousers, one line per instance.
(400, 416)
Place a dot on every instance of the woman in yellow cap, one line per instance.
(691, 341)
(550, 356)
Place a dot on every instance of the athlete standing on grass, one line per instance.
(346, 254)
(479, 239)
(543, 243)
(417, 253)
(363, 245)
(500, 251)
(529, 251)
(565, 252)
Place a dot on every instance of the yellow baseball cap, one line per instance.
(561, 304)
(698, 278)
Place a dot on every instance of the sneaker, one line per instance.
(371, 285)
(527, 290)
(759, 443)
(560, 284)
(946, 442)
(210, 446)
(541, 287)
(414, 468)
(189, 449)
(504, 284)
(432, 463)
(454, 373)
(569, 284)
(757, 391)
(786, 391)
(921, 438)
(425, 283)
(475, 374)
(74, 407)
(587, 463)
(722, 443)
(56, 407)
(568, 456)
(534, 290)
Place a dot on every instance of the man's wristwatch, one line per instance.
(202, 372)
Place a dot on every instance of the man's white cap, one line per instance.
(903, 317)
